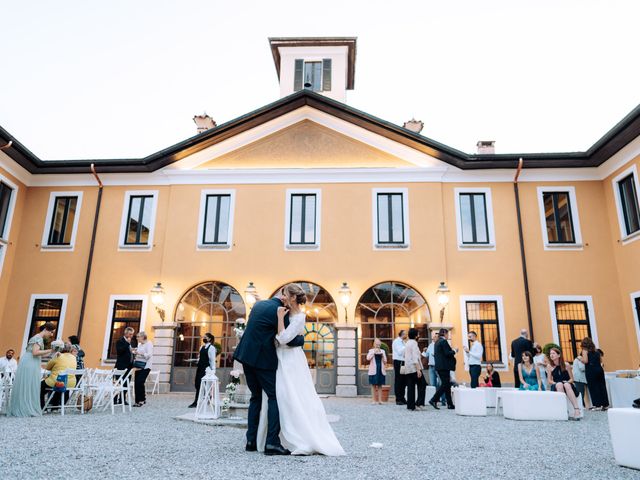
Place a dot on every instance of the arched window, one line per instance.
(384, 310)
(319, 337)
(208, 307)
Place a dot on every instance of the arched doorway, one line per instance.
(382, 311)
(212, 307)
(320, 335)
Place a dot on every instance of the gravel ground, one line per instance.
(148, 444)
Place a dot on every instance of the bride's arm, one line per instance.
(296, 322)
(282, 311)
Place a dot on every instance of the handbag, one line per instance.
(61, 384)
(139, 364)
(88, 403)
(403, 369)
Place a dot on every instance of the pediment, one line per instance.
(306, 144)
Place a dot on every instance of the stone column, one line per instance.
(347, 365)
(163, 341)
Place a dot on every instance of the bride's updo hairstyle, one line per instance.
(294, 289)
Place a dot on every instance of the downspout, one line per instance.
(522, 254)
(91, 248)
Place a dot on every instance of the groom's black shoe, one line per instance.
(251, 447)
(434, 404)
(276, 450)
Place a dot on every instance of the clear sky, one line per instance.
(123, 79)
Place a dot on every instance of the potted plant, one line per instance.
(385, 388)
(547, 348)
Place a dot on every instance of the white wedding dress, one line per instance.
(304, 427)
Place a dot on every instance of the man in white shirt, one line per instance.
(474, 358)
(400, 381)
(8, 364)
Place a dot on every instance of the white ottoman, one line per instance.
(492, 393)
(624, 425)
(470, 401)
(527, 405)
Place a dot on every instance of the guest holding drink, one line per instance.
(25, 395)
(594, 373)
(492, 378)
(529, 376)
(377, 360)
(142, 364)
(561, 379)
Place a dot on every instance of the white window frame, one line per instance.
(124, 222)
(287, 220)
(45, 296)
(634, 312)
(504, 366)
(616, 193)
(47, 224)
(4, 241)
(374, 216)
(143, 318)
(490, 225)
(575, 220)
(572, 298)
(203, 202)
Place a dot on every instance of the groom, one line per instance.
(257, 354)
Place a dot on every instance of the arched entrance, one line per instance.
(320, 335)
(207, 307)
(382, 311)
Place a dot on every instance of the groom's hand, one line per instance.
(282, 312)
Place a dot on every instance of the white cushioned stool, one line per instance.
(624, 425)
(470, 401)
(531, 405)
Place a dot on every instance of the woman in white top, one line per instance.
(413, 368)
(142, 364)
(304, 427)
(540, 361)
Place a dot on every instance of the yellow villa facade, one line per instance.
(308, 189)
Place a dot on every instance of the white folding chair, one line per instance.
(154, 379)
(122, 385)
(6, 384)
(73, 393)
(100, 384)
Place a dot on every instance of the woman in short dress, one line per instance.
(561, 379)
(25, 394)
(377, 360)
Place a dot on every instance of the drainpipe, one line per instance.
(91, 248)
(522, 254)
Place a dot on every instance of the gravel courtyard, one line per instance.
(148, 443)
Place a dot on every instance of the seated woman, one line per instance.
(492, 378)
(65, 361)
(529, 376)
(560, 379)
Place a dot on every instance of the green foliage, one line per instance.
(218, 348)
(547, 348)
(384, 347)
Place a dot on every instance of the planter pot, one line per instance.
(385, 392)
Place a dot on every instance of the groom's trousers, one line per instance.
(259, 380)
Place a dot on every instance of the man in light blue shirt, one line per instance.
(474, 358)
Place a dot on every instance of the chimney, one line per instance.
(486, 147)
(204, 122)
(414, 125)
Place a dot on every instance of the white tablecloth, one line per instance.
(623, 391)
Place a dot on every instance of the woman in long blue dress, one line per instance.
(529, 376)
(25, 394)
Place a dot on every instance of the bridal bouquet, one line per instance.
(241, 324)
(57, 345)
(235, 376)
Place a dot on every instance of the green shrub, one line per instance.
(384, 347)
(547, 348)
(218, 348)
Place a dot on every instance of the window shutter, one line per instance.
(297, 79)
(326, 75)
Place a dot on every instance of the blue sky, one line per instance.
(121, 79)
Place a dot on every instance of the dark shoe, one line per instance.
(636, 405)
(276, 450)
(451, 407)
(139, 404)
(401, 402)
(193, 405)
(251, 447)
(434, 404)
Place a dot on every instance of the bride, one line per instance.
(305, 429)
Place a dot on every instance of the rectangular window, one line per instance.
(5, 201)
(629, 204)
(45, 310)
(482, 318)
(573, 325)
(312, 75)
(557, 214)
(216, 220)
(390, 219)
(139, 218)
(126, 313)
(62, 221)
(473, 218)
(302, 229)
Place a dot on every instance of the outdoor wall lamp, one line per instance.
(157, 298)
(443, 298)
(345, 297)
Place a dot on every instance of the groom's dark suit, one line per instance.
(257, 353)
